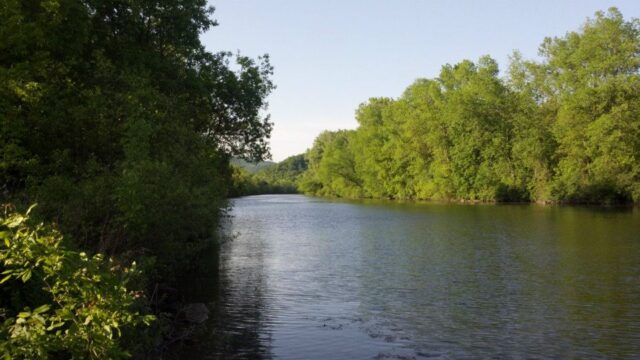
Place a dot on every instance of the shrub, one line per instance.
(58, 303)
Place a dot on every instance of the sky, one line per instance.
(330, 56)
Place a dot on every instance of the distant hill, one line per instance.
(268, 177)
(252, 167)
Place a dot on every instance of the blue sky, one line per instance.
(330, 56)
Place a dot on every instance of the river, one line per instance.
(309, 278)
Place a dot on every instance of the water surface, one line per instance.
(308, 278)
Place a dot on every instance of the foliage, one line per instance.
(59, 303)
(592, 78)
(564, 129)
(277, 178)
(118, 122)
(251, 167)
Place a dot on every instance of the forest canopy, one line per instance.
(565, 128)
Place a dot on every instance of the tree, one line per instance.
(590, 78)
(120, 124)
(565, 129)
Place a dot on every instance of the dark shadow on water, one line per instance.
(235, 328)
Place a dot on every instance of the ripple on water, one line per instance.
(314, 279)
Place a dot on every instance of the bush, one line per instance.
(58, 303)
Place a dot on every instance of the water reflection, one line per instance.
(233, 285)
(315, 279)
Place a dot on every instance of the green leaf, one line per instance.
(31, 208)
(26, 275)
(39, 318)
(55, 326)
(108, 329)
(15, 221)
(41, 309)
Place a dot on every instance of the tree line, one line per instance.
(565, 128)
(268, 178)
(119, 124)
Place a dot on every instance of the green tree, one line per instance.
(375, 118)
(564, 129)
(120, 124)
(272, 178)
(590, 78)
(478, 116)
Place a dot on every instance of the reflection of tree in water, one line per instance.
(233, 289)
(504, 282)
